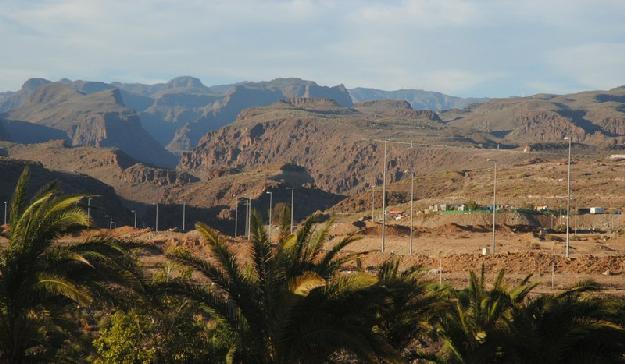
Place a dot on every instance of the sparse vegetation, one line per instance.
(292, 300)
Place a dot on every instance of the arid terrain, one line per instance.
(325, 146)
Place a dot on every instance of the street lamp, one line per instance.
(156, 226)
(494, 199)
(249, 218)
(568, 199)
(384, 199)
(236, 216)
(135, 215)
(270, 203)
(292, 209)
(88, 207)
(184, 208)
(411, 210)
(5, 212)
(372, 201)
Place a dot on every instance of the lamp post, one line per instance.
(184, 208)
(292, 210)
(135, 216)
(568, 198)
(270, 204)
(236, 217)
(372, 202)
(5, 212)
(249, 218)
(156, 225)
(384, 199)
(494, 200)
(411, 210)
(88, 207)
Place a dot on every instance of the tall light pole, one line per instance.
(249, 218)
(411, 209)
(184, 208)
(568, 198)
(384, 199)
(270, 203)
(372, 202)
(494, 200)
(292, 210)
(88, 207)
(5, 212)
(135, 215)
(156, 225)
(236, 217)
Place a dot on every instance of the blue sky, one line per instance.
(467, 48)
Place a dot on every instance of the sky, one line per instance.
(492, 48)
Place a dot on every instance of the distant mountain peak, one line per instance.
(185, 82)
(418, 99)
(33, 83)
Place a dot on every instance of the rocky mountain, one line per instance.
(28, 133)
(104, 208)
(340, 147)
(176, 113)
(594, 117)
(418, 99)
(11, 100)
(97, 119)
(183, 110)
(212, 199)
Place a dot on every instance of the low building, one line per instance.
(597, 210)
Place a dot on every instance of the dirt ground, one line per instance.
(448, 253)
(457, 249)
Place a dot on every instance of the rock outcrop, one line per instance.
(98, 119)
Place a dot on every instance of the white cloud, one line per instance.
(596, 65)
(472, 47)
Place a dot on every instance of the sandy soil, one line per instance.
(456, 249)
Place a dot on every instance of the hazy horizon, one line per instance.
(461, 48)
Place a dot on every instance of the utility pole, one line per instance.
(372, 202)
(494, 201)
(5, 212)
(184, 208)
(270, 203)
(249, 219)
(135, 215)
(292, 211)
(156, 218)
(440, 269)
(411, 209)
(384, 200)
(568, 199)
(236, 217)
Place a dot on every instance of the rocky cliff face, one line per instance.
(596, 117)
(545, 127)
(179, 119)
(12, 100)
(335, 145)
(98, 119)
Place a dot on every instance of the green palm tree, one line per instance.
(477, 319)
(407, 311)
(39, 278)
(572, 327)
(290, 304)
